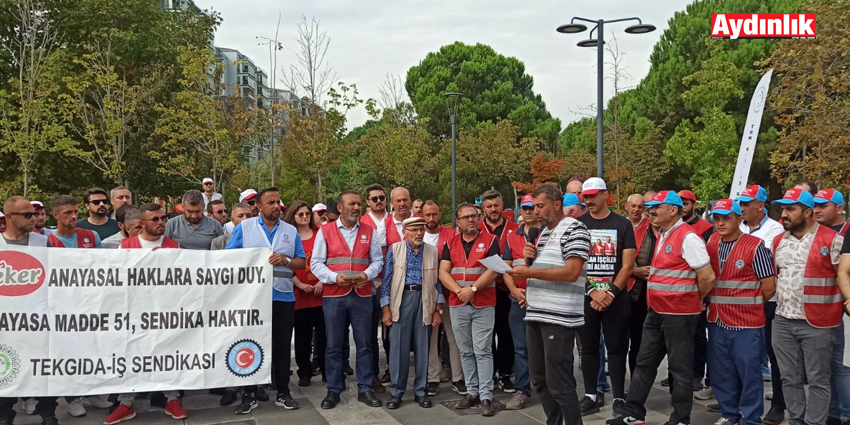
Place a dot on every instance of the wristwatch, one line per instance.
(288, 261)
(474, 289)
(440, 311)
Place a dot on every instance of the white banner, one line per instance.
(101, 321)
(751, 133)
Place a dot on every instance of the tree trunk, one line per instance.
(26, 181)
(319, 186)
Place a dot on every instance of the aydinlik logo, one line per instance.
(10, 364)
(763, 25)
(20, 274)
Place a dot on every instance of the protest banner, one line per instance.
(87, 321)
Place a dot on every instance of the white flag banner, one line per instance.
(101, 321)
(751, 133)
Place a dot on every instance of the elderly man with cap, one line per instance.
(247, 197)
(744, 269)
(756, 223)
(680, 277)
(809, 307)
(573, 208)
(412, 302)
(209, 192)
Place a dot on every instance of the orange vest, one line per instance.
(672, 284)
(85, 239)
(822, 300)
(466, 271)
(343, 260)
(736, 296)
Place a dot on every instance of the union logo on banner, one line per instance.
(20, 274)
(763, 25)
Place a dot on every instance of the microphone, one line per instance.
(533, 234)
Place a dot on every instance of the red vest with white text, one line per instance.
(466, 271)
(640, 234)
(343, 260)
(510, 228)
(85, 239)
(672, 284)
(822, 300)
(516, 243)
(133, 243)
(736, 296)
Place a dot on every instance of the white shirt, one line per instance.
(151, 244)
(431, 239)
(320, 254)
(381, 227)
(693, 247)
(228, 227)
(215, 197)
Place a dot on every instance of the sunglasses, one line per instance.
(98, 202)
(251, 202)
(321, 212)
(26, 215)
(158, 219)
(377, 199)
(528, 208)
(220, 212)
(208, 184)
(303, 214)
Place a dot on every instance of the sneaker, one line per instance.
(122, 413)
(724, 421)
(619, 407)
(29, 406)
(674, 423)
(625, 420)
(175, 410)
(704, 394)
(262, 395)
(286, 401)
(248, 404)
(445, 373)
(76, 409)
(431, 388)
(506, 385)
(98, 402)
(588, 406)
(317, 369)
(768, 395)
(228, 398)
(459, 387)
(665, 382)
(600, 399)
(518, 401)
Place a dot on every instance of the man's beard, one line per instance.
(100, 212)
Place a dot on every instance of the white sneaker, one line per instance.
(724, 421)
(76, 409)
(29, 406)
(704, 394)
(98, 401)
(768, 395)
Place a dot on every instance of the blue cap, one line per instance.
(665, 197)
(571, 199)
(797, 196)
(752, 193)
(726, 206)
(829, 195)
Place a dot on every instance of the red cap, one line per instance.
(687, 194)
(527, 201)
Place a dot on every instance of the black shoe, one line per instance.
(619, 407)
(262, 395)
(624, 420)
(423, 401)
(665, 382)
(228, 398)
(713, 407)
(487, 408)
(459, 387)
(394, 402)
(248, 404)
(698, 385)
(330, 401)
(468, 401)
(774, 416)
(506, 385)
(348, 370)
(47, 421)
(431, 388)
(369, 398)
(588, 406)
(304, 382)
(833, 421)
(6, 422)
(600, 399)
(286, 402)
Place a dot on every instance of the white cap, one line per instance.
(247, 194)
(592, 186)
(2, 215)
(206, 180)
(37, 204)
(320, 207)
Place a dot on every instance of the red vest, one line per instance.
(510, 228)
(672, 285)
(341, 259)
(736, 296)
(445, 236)
(822, 300)
(133, 243)
(640, 234)
(303, 299)
(516, 243)
(85, 239)
(466, 271)
(701, 226)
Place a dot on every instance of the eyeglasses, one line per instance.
(321, 212)
(377, 199)
(220, 212)
(467, 217)
(98, 201)
(26, 215)
(158, 219)
(304, 214)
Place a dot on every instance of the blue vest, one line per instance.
(253, 236)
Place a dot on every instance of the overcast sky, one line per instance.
(371, 38)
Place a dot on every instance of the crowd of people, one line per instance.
(730, 304)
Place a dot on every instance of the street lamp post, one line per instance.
(598, 42)
(453, 102)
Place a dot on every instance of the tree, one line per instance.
(812, 100)
(543, 171)
(709, 145)
(494, 87)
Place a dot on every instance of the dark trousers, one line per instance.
(672, 336)
(373, 334)
(306, 321)
(503, 351)
(339, 313)
(775, 377)
(701, 349)
(46, 407)
(550, 363)
(283, 320)
(409, 334)
(738, 382)
(636, 332)
(614, 326)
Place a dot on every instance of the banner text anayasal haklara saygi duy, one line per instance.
(95, 321)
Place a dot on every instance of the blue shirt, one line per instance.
(71, 241)
(236, 242)
(413, 274)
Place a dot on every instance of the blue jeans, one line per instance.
(839, 403)
(736, 371)
(601, 379)
(339, 313)
(516, 320)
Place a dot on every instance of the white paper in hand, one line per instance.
(495, 263)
